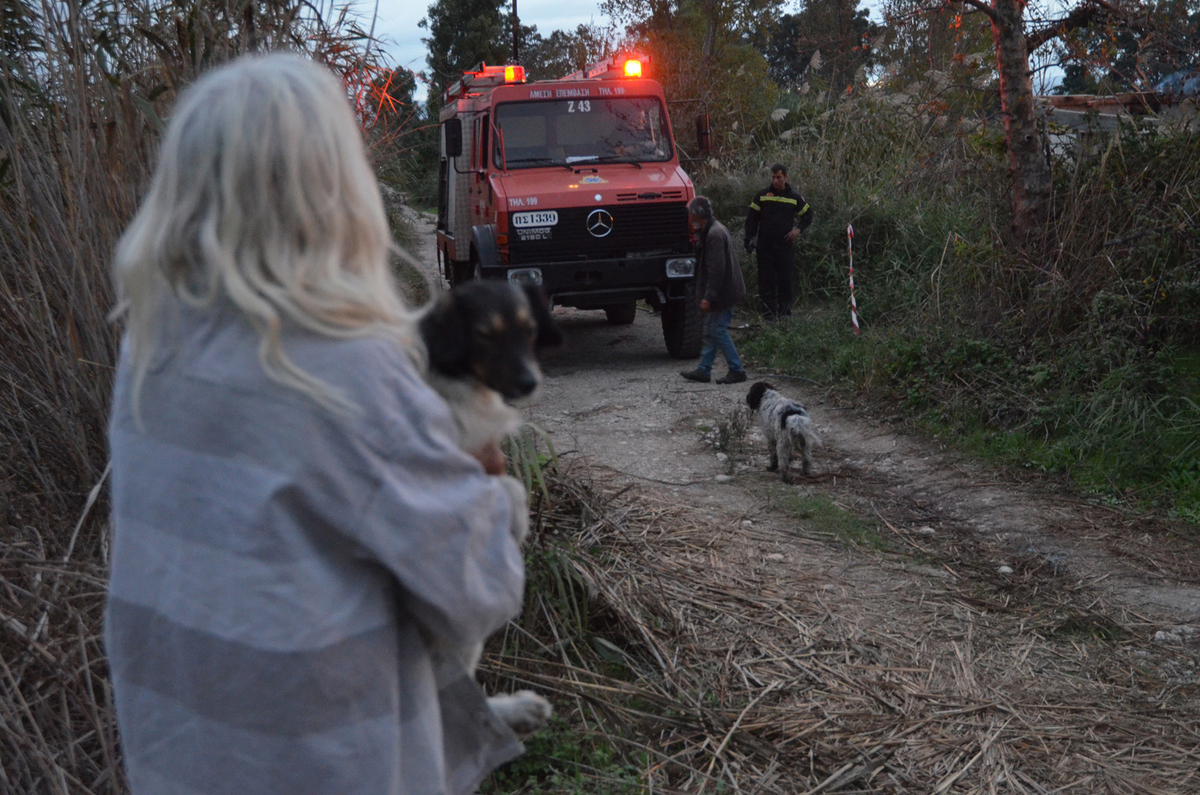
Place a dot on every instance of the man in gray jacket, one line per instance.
(720, 287)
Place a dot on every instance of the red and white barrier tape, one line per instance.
(853, 302)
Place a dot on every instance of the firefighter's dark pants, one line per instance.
(775, 278)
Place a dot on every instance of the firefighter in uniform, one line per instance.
(778, 215)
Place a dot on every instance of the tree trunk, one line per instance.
(1027, 163)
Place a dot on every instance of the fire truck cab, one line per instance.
(573, 185)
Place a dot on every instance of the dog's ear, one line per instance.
(548, 335)
(445, 332)
(755, 395)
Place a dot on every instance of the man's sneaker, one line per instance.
(699, 375)
(732, 377)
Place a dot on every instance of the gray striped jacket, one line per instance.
(272, 564)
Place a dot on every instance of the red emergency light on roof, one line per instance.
(483, 76)
(619, 65)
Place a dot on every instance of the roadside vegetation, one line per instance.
(1083, 361)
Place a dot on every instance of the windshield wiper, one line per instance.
(617, 159)
(537, 161)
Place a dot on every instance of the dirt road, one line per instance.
(613, 396)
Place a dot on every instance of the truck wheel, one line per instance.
(681, 325)
(461, 272)
(621, 314)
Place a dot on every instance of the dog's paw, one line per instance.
(524, 711)
(519, 517)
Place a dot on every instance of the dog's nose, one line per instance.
(526, 383)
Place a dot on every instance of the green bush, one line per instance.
(1084, 363)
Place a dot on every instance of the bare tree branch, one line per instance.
(1080, 17)
(980, 5)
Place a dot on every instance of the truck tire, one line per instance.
(485, 254)
(682, 326)
(461, 272)
(621, 314)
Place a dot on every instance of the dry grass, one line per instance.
(75, 149)
(748, 673)
(57, 730)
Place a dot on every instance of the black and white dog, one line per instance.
(481, 339)
(786, 425)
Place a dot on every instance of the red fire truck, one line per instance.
(573, 185)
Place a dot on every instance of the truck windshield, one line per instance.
(589, 130)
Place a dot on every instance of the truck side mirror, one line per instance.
(452, 130)
(703, 134)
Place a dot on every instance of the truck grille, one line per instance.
(636, 229)
(632, 196)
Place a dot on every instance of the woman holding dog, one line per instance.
(290, 508)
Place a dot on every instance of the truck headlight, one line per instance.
(524, 276)
(681, 268)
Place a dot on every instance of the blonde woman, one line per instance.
(290, 508)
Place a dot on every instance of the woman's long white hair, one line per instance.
(263, 198)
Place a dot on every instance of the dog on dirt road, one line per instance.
(481, 339)
(786, 425)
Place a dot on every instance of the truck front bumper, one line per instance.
(595, 283)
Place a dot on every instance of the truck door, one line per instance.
(446, 177)
(443, 195)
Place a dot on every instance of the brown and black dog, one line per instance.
(482, 339)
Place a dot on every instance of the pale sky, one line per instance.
(397, 22)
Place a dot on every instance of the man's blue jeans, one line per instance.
(716, 335)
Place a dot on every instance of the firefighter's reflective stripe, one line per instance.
(774, 213)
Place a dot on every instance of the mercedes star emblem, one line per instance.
(599, 223)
